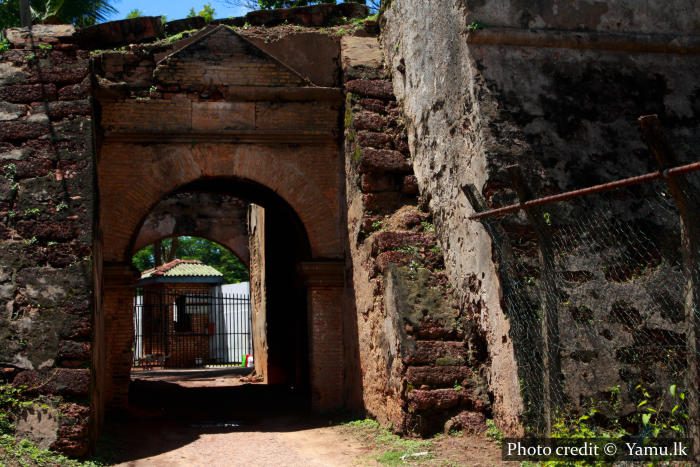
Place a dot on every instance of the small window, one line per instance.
(181, 318)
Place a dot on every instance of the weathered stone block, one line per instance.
(62, 75)
(438, 375)
(59, 381)
(390, 240)
(58, 110)
(71, 447)
(431, 329)
(313, 15)
(71, 350)
(81, 329)
(383, 160)
(436, 352)
(26, 93)
(400, 258)
(467, 421)
(381, 89)
(74, 91)
(17, 131)
(369, 121)
(374, 140)
(117, 33)
(419, 399)
(33, 167)
(409, 185)
(376, 105)
(11, 111)
(53, 287)
(74, 131)
(11, 153)
(11, 74)
(43, 33)
(381, 202)
(184, 24)
(47, 231)
(373, 182)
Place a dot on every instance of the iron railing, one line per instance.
(190, 328)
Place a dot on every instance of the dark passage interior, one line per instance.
(277, 245)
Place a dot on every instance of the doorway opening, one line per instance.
(193, 310)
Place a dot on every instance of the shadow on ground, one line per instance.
(164, 416)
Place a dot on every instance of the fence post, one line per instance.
(687, 202)
(551, 361)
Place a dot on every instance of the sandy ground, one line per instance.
(213, 418)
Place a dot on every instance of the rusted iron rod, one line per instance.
(683, 169)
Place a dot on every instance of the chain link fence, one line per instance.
(601, 294)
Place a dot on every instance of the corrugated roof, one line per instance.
(182, 268)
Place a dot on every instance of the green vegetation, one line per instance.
(389, 448)
(26, 453)
(207, 12)
(208, 252)
(78, 12)
(135, 13)
(378, 226)
(23, 452)
(182, 35)
(493, 432)
(659, 422)
(475, 26)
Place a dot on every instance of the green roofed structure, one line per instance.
(181, 271)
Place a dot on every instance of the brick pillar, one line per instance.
(118, 309)
(324, 282)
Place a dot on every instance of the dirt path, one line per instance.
(217, 447)
(215, 419)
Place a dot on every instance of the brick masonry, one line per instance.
(204, 122)
(420, 359)
(46, 229)
(176, 115)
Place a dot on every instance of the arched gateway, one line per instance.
(225, 117)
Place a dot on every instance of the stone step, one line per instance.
(382, 161)
(438, 375)
(392, 240)
(379, 88)
(439, 353)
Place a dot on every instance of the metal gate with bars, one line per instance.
(191, 329)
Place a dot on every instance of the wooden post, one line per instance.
(25, 14)
(551, 361)
(689, 209)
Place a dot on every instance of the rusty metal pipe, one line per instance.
(684, 169)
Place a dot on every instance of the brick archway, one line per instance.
(226, 114)
(215, 217)
(167, 168)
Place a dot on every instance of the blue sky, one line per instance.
(173, 9)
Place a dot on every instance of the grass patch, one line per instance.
(16, 452)
(389, 448)
(25, 453)
(493, 432)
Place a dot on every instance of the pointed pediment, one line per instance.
(221, 57)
